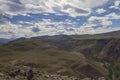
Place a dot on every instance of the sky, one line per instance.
(29, 18)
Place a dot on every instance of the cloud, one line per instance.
(69, 29)
(39, 28)
(85, 30)
(110, 16)
(50, 27)
(72, 8)
(10, 9)
(101, 24)
(99, 11)
(116, 5)
(100, 21)
(66, 7)
(10, 30)
(113, 16)
(79, 19)
(24, 22)
(104, 23)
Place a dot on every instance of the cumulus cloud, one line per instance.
(65, 7)
(110, 16)
(113, 16)
(73, 24)
(10, 8)
(96, 23)
(103, 21)
(49, 27)
(101, 24)
(99, 11)
(39, 28)
(116, 5)
(84, 30)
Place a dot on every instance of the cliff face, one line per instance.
(106, 49)
(111, 51)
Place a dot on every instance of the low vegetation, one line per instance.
(73, 56)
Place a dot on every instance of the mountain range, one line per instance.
(78, 55)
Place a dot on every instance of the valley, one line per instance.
(88, 56)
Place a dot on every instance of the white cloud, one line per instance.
(95, 23)
(9, 30)
(113, 16)
(71, 8)
(102, 24)
(39, 28)
(65, 7)
(116, 5)
(89, 29)
(99, 21)
(9, 8)
(24, 22)
(99, 11)
(49, 27)
(106, 17)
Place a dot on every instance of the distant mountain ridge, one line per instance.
(56, 37)
(3, 40)
(114, 34)
(97, 45)
(78, 55)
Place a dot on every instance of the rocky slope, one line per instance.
(21, 73)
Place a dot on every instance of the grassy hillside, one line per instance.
(49, 58)
(114, 34)
(74, 55)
